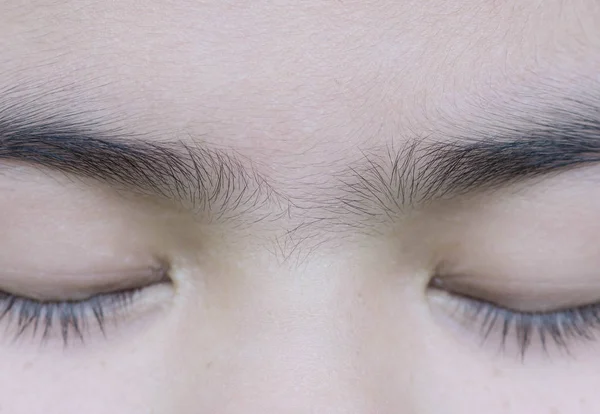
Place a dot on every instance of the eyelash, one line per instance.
(71, 317)
(559, 328)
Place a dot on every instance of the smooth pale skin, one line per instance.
(300, 89)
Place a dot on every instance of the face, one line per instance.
(297, 207)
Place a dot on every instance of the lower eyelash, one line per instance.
(72, 318)
(559, 328)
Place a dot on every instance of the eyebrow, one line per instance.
(381, 182)
(427, 170)
(202, 178)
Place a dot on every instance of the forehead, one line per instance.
(280, 77)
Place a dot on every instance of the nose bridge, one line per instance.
(301, 369)
(306, 348)
(311, 340)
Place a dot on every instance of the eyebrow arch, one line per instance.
(203, 178)
(424, 171)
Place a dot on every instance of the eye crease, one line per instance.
(76, 318)
(560, 328)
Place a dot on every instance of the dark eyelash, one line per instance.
(559, 328)
(71, 317)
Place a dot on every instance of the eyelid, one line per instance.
(522, 295)
(51, 286)
(66, 319)
(516, 331)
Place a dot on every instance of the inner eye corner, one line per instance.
(166, 272)
(435, 282)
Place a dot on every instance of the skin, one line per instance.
(276, 315)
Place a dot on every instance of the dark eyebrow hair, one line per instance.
(203, 178)
(427, 170)
(384, 182)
